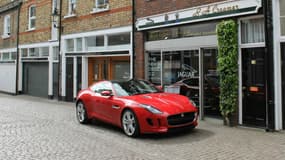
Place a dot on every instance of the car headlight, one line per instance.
(194, 104)
(150, 109)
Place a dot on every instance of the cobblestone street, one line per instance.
(40, 129)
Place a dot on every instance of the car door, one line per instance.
(112, 108)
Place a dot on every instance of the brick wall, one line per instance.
(119, 14)
(10, 42)
(152, 7)
(42, 33)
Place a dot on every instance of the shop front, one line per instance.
(93, 56)
(181, 51)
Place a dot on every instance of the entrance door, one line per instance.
(283, 82)
(99, 68)
(69, 79)
(211, 87)
(253, 86)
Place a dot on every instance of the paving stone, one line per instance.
(39, 129)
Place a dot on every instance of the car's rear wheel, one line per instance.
(130, 123)
(81, 113)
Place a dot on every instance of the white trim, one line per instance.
(277, 66)
(8, 50)
(37, 45)
(209, 9)
(99, 32)
(84, 72)
(50, 72)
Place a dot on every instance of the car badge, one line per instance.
(182, 115)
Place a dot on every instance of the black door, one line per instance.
(253, 86)
(69, 79)
(283, 82)
(79, 74)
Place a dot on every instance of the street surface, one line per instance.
(40, 129)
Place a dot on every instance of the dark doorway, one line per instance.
(254, 87)
(69, 79)
(211, 85)
(55, 80)
(283, 82)
(79, 74)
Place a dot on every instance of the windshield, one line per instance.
(134, 87)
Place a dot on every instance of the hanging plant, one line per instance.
(228, 68)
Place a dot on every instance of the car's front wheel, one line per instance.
(130, 123)
(81, 113)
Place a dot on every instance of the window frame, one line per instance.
(7, 26)
(98, 8)
(32, 17)
(71, 7)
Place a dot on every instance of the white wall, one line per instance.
(8, 77)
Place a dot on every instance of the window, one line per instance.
(55, 53)
(34, 52)
(70, 45)
(32, 17)
(79, 44)
(45, 51)
(24, 52)
(282, 17)
(100, 41)
(119, 39)
(101, 5)
(252, 31)
(6, 56)
(71, 7)
(7, 26)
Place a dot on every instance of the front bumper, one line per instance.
(161, 123)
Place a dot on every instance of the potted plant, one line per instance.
(228, 68)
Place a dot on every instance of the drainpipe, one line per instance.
(133, 36)
(59, 49)
(267, 11)
(17, 45)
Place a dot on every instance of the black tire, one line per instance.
(130, 123)
(81, 113)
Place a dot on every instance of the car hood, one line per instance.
(165, 102)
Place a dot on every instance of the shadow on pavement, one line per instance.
(178, 136)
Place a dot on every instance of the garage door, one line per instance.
(35, 79)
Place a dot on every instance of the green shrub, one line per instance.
(228, 66)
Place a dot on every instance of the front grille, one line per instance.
(180, 119)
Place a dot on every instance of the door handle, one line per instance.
(116, 107)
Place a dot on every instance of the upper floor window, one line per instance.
(252, 31)
(71, 7)
(101, 5)
(7, 26)
(32, 17)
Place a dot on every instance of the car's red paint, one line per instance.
(110, 108)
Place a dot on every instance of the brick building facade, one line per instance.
(9, 20)
(176, 41)
(96, 43)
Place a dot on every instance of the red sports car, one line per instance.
(136, 106)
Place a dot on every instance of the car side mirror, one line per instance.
(160, 88)
(106, 93)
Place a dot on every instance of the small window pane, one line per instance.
(70, 45)
(55, 53)
(79, 44)
(45, 51)
(282, 22)
(119, 39)
(24, 52)
(282, 7)
(252, 31)
(14, 55)
(91, 43)
(34, 52)
(100, 41)
(6, 56)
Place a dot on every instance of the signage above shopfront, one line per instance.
(211, 11)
